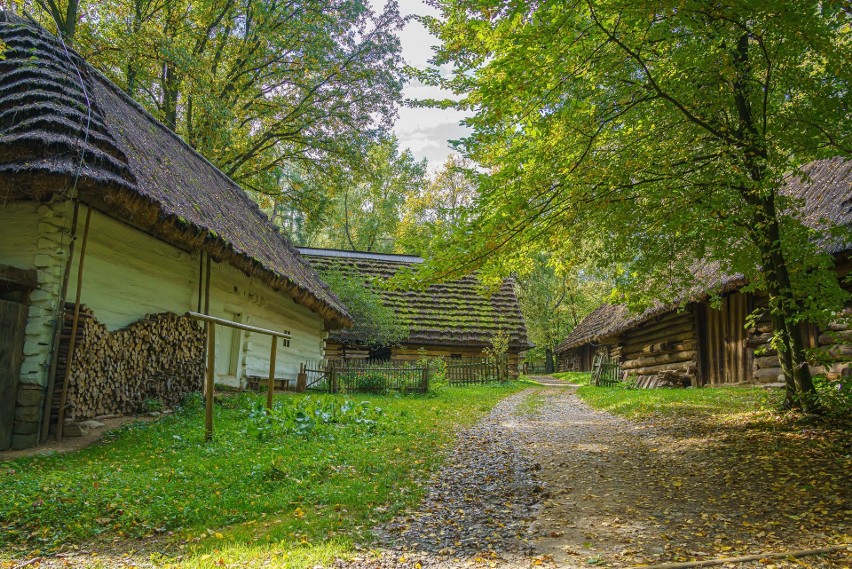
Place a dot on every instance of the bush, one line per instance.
(307, 416)
(835, 396)
(371, 383)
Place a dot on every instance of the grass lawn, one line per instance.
(575, 377)
(301, 489)
(660, 403)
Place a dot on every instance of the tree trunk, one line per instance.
(801, 393)
(548, 360)
(766, 234)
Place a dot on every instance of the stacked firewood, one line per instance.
(160, 357)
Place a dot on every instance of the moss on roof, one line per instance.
(449, 314)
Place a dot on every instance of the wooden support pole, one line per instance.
(57, 329)
(271, 389)
(208, 386)
(72, 343)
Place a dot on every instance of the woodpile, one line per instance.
(662, 353)
(160, 357)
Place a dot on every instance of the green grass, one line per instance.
(655, 403)
(248, 494)
(575, 377)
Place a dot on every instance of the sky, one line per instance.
(424, 131)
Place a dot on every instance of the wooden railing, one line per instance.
(210, 323)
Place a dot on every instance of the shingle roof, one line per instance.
(825, 190)
(448, 314)
(133, 165)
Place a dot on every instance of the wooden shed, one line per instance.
(84, 169)
(695, 342)
(452, 319)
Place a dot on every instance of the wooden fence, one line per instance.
(605, 372)
(467, 371)
(367, 376)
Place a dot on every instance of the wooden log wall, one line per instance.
(835, 342)
(158, 357)
(574, 359)
(662, 351)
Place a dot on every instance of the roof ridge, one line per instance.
(353, 254)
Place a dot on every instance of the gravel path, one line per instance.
(545, 480)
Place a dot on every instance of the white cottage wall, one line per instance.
(129, 274)
(35, 236)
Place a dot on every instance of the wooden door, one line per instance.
(13, 318)
(724, 357)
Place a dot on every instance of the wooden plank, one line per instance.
(23, 277)
(13, 317)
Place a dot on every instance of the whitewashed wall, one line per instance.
(35, 236)
(129, 274)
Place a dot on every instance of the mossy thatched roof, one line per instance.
(455, 313)
(824, 191)
(55, 108)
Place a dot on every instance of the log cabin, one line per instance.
(691, 342)
(451, 320)
(101, 202)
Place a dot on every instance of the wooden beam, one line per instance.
(238, 325)
(24, 277)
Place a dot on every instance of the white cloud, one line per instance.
(425, 131)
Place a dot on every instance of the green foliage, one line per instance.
(575, 377)
(553, 302)
(647, 142)
(364, 205)
(288, 489)
(438, 208)
(152, 405)
(375, 323)
(835, 396)
(313, 416)
(256, 87)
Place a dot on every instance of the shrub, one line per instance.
(307, 416)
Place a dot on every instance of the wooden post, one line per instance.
(57, 329)
(208, 386)
(302, 379)
(271, 389)
(72, 343)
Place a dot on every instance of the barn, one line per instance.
(451, 320)
(696, 342)
(101, 203)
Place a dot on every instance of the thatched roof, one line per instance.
(825, 190)
(448, 314)
(55, 107)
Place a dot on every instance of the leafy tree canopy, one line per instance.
(641, 138)
(255, 86)
(376, 325)
(553, 303)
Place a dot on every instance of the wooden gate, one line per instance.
(724, 358)
(13, 317)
